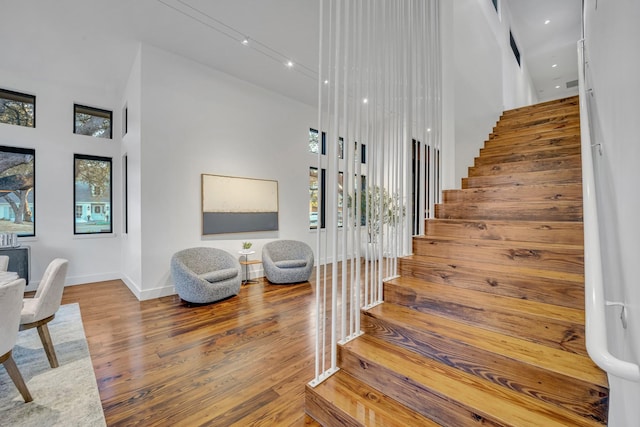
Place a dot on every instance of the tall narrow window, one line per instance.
(92, 121)
(315, 144)
(125, 119)
(92, 195)
(125, 192)
(340, 198)
(17, 191)
(17, 108)
(495, 4)
(514, 47)
(317, 191)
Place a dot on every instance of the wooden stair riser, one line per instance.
(345, 401)
(562, 129)
(545, 106)
(543, 192)
(514, 155)
(566, 176)
(535, 142)
(541, 256)
(532, 211)
(538, 117)
(431, 341)
(514, 127)
(551, 332)
(565, 293)
(445, 394)
(561, 232)
(568, 162)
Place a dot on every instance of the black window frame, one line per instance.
(111, 210)
(94, 111)
(514, 48)
(24, 98)
(30, 152)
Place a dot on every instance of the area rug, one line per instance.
(65, 396)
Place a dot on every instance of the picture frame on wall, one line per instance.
(238, 205)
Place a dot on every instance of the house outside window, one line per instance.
(92, 195)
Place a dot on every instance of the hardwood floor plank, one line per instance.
(243, 361)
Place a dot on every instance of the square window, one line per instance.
(92, 121)
(17, 108)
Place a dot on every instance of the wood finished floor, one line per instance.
(239, 362)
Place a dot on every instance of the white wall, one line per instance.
(611, 37)
(196, 120)
(487, 78)
(91, 258)
(131, 242)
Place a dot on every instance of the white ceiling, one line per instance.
(58, 36)
(543, 45)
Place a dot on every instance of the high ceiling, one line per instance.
(211, 33)
(544, 45)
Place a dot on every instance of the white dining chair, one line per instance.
(42, 308)
(4, 262)
(11, 295)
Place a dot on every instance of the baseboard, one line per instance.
(78, 280)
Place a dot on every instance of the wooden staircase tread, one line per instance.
(562, 362)
(567, 176)
(488, 400)
(494, 302)
(573, 161)
(572, 100)
(565, 232)
(524, 119)
(540, 140)
(510, 244)
(509, 154)
(542, 192)
(500, 268)
(363, 404)
(556, 291)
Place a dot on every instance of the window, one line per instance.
(514, 47)
(314, 143)
(341, 148)
(340, 198)
(17, 108)
(495, 4)
(92, 121)
(17, 191)
(92, 194)
(317, 190)
(125, 192)
(125, 120)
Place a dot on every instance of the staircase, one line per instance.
(485, 325)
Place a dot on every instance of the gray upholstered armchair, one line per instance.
(203, 275)
(287, 261)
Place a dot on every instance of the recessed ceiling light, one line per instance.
(546, 22)
(365, 100)
(289, 64)
(326, 82)
(557, 86)
(245, 41)
(554, 65)
(428, 129)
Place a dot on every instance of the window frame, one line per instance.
(93, 111)
(24, 98)
(77, 157)
(31, 152)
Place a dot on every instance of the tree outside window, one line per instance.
(17, 108)
(17, 191)
(92, 194)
